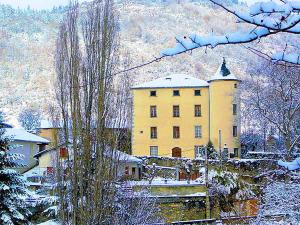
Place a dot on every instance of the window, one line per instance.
(235, 85)
(234, 109)
(234, 131)
(197, 110)
(197, 93)
(198, 133)
(153, 111)
(133, 171)
(199, 151)
(152, 93)
(153, 131)
(176, 112)
(176, 132)
(236, 152)
(176, 93)
(153, 150)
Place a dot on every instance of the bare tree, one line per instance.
(30, 118)
(84, 93)
(265, 19)
(274, 98)
(90, 104)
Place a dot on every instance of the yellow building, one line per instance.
(177, 115)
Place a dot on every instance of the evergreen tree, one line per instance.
(211, 152)
(12, 186)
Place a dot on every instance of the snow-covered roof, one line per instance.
(23, 135)
(46, 124)
(173, 81)
(124, 157)
(223, 73)
(5, 125)
(35, 172)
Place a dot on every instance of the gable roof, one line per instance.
(22, 135)
(174, 81)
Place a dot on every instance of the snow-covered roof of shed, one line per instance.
(23, 135)
(223, 73)
(124, 157)
(173, 81)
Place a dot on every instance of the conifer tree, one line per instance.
(12, 185)
(211, 152)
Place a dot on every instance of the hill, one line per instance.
(27, 46)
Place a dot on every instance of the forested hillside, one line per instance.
(27, 46)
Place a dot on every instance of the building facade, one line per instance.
(177, 115)
(26, 144)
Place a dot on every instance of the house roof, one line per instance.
(46, 124)
(48, 150)
(22, 135)
(5, 125)
(124, 157)
(173, 81)
(223, 73)
(117, 155)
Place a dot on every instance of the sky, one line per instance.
(48, 4)
(36, 4)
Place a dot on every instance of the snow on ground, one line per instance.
(161, 182)
(294, 165)
(50, 222)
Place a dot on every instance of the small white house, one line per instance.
(27, 144)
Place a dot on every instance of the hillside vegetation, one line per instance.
(27, 46)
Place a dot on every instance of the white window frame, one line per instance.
(198, 151)
(153, 150)
(197, 112)
(153, 111)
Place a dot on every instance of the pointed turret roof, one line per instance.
(223, 73)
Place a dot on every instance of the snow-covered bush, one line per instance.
(227, 187)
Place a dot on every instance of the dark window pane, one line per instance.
(176, 132)
(234, 109)
(152, 93)
(176, 93)
(236, 152)
(234, 131)
(197, 92)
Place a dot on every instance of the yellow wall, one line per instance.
(47, 159)
(223, 95)
(216, 100)
(50, 134)
(165, 121)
